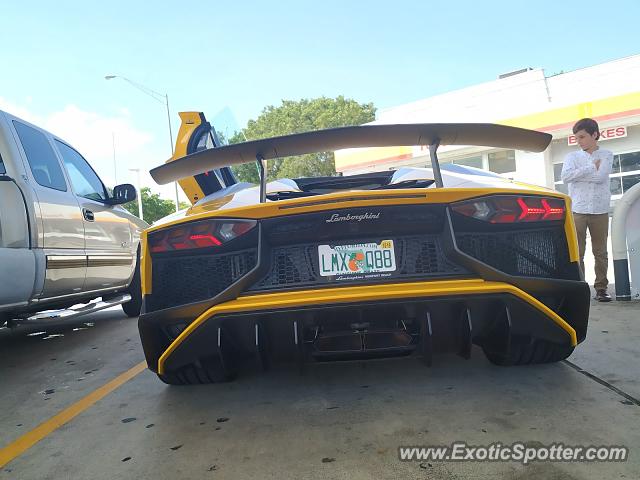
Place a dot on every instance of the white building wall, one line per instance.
(530, 168)
(592, 83)
(486, 102)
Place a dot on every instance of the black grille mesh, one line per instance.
(291, 265)
(424, 256)
(532, 253)
(181, 280)
(296, 265)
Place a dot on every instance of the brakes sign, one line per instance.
(359, 258)
(606, 134)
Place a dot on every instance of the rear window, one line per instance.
(43, 162)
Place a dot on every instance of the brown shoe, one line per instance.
(603, 296)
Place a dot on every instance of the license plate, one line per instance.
(361, 258)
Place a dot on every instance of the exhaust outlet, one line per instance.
(363, 343)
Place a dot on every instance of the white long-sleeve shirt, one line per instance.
(588, 186)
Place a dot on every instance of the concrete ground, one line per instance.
(335, 421)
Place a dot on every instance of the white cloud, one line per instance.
(95, 135)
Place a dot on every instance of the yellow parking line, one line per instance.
(29, 439)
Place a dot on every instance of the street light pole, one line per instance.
(115, 169)
(175, 184)
(162, 98)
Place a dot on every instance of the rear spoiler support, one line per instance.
(261, 164)
(435, 165)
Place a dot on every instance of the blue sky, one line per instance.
(239, 57)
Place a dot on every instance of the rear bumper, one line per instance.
(445, 315)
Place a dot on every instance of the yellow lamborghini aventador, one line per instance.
(414, 261)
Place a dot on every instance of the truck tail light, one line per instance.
(512, 209)
(195, 235)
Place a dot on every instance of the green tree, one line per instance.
(153, 207)
(296, 117)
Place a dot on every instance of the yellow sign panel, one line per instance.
(603, 109)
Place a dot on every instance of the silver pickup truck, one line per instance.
(64, 238)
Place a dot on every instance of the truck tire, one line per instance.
(538, 351)
(133, 306)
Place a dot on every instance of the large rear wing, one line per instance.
(431, 134)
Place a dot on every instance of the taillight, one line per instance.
(512, 209)
(194, 235)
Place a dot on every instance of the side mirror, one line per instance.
(123, 194)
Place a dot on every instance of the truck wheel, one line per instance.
(206, 370)
(133, 306)
(537, 351)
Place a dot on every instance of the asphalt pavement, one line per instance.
(335, 421)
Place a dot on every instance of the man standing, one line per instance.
(586, 172)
